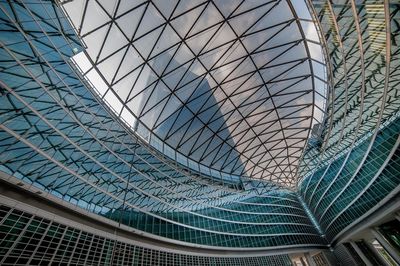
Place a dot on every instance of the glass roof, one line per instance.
(228, 88)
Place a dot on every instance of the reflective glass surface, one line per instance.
(56, 135)
(354, 165)
(227, 88)
(247, 124)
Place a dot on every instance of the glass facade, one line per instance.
(227, 125)
(358, 164)
(231, 94)
(58, 136)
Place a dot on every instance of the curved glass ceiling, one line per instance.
(228, 88)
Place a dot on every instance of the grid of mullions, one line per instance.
(21, 160)
(346, 182)
(385, 183)
(56, 136)
(228, 85)
(27, 239)
(333, 205)
(352, 103)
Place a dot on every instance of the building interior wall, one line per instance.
(58, 137)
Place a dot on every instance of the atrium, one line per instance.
(200, 132)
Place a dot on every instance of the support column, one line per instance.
(309, 259)
(361, 254)
(397, 215)
(377, 255)
(328, 258)
(303, 262)
(386, 245)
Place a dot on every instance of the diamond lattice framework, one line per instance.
(227, 85)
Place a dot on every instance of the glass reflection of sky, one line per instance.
(223, 87)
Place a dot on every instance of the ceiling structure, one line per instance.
(227, 88)
(164, 77)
